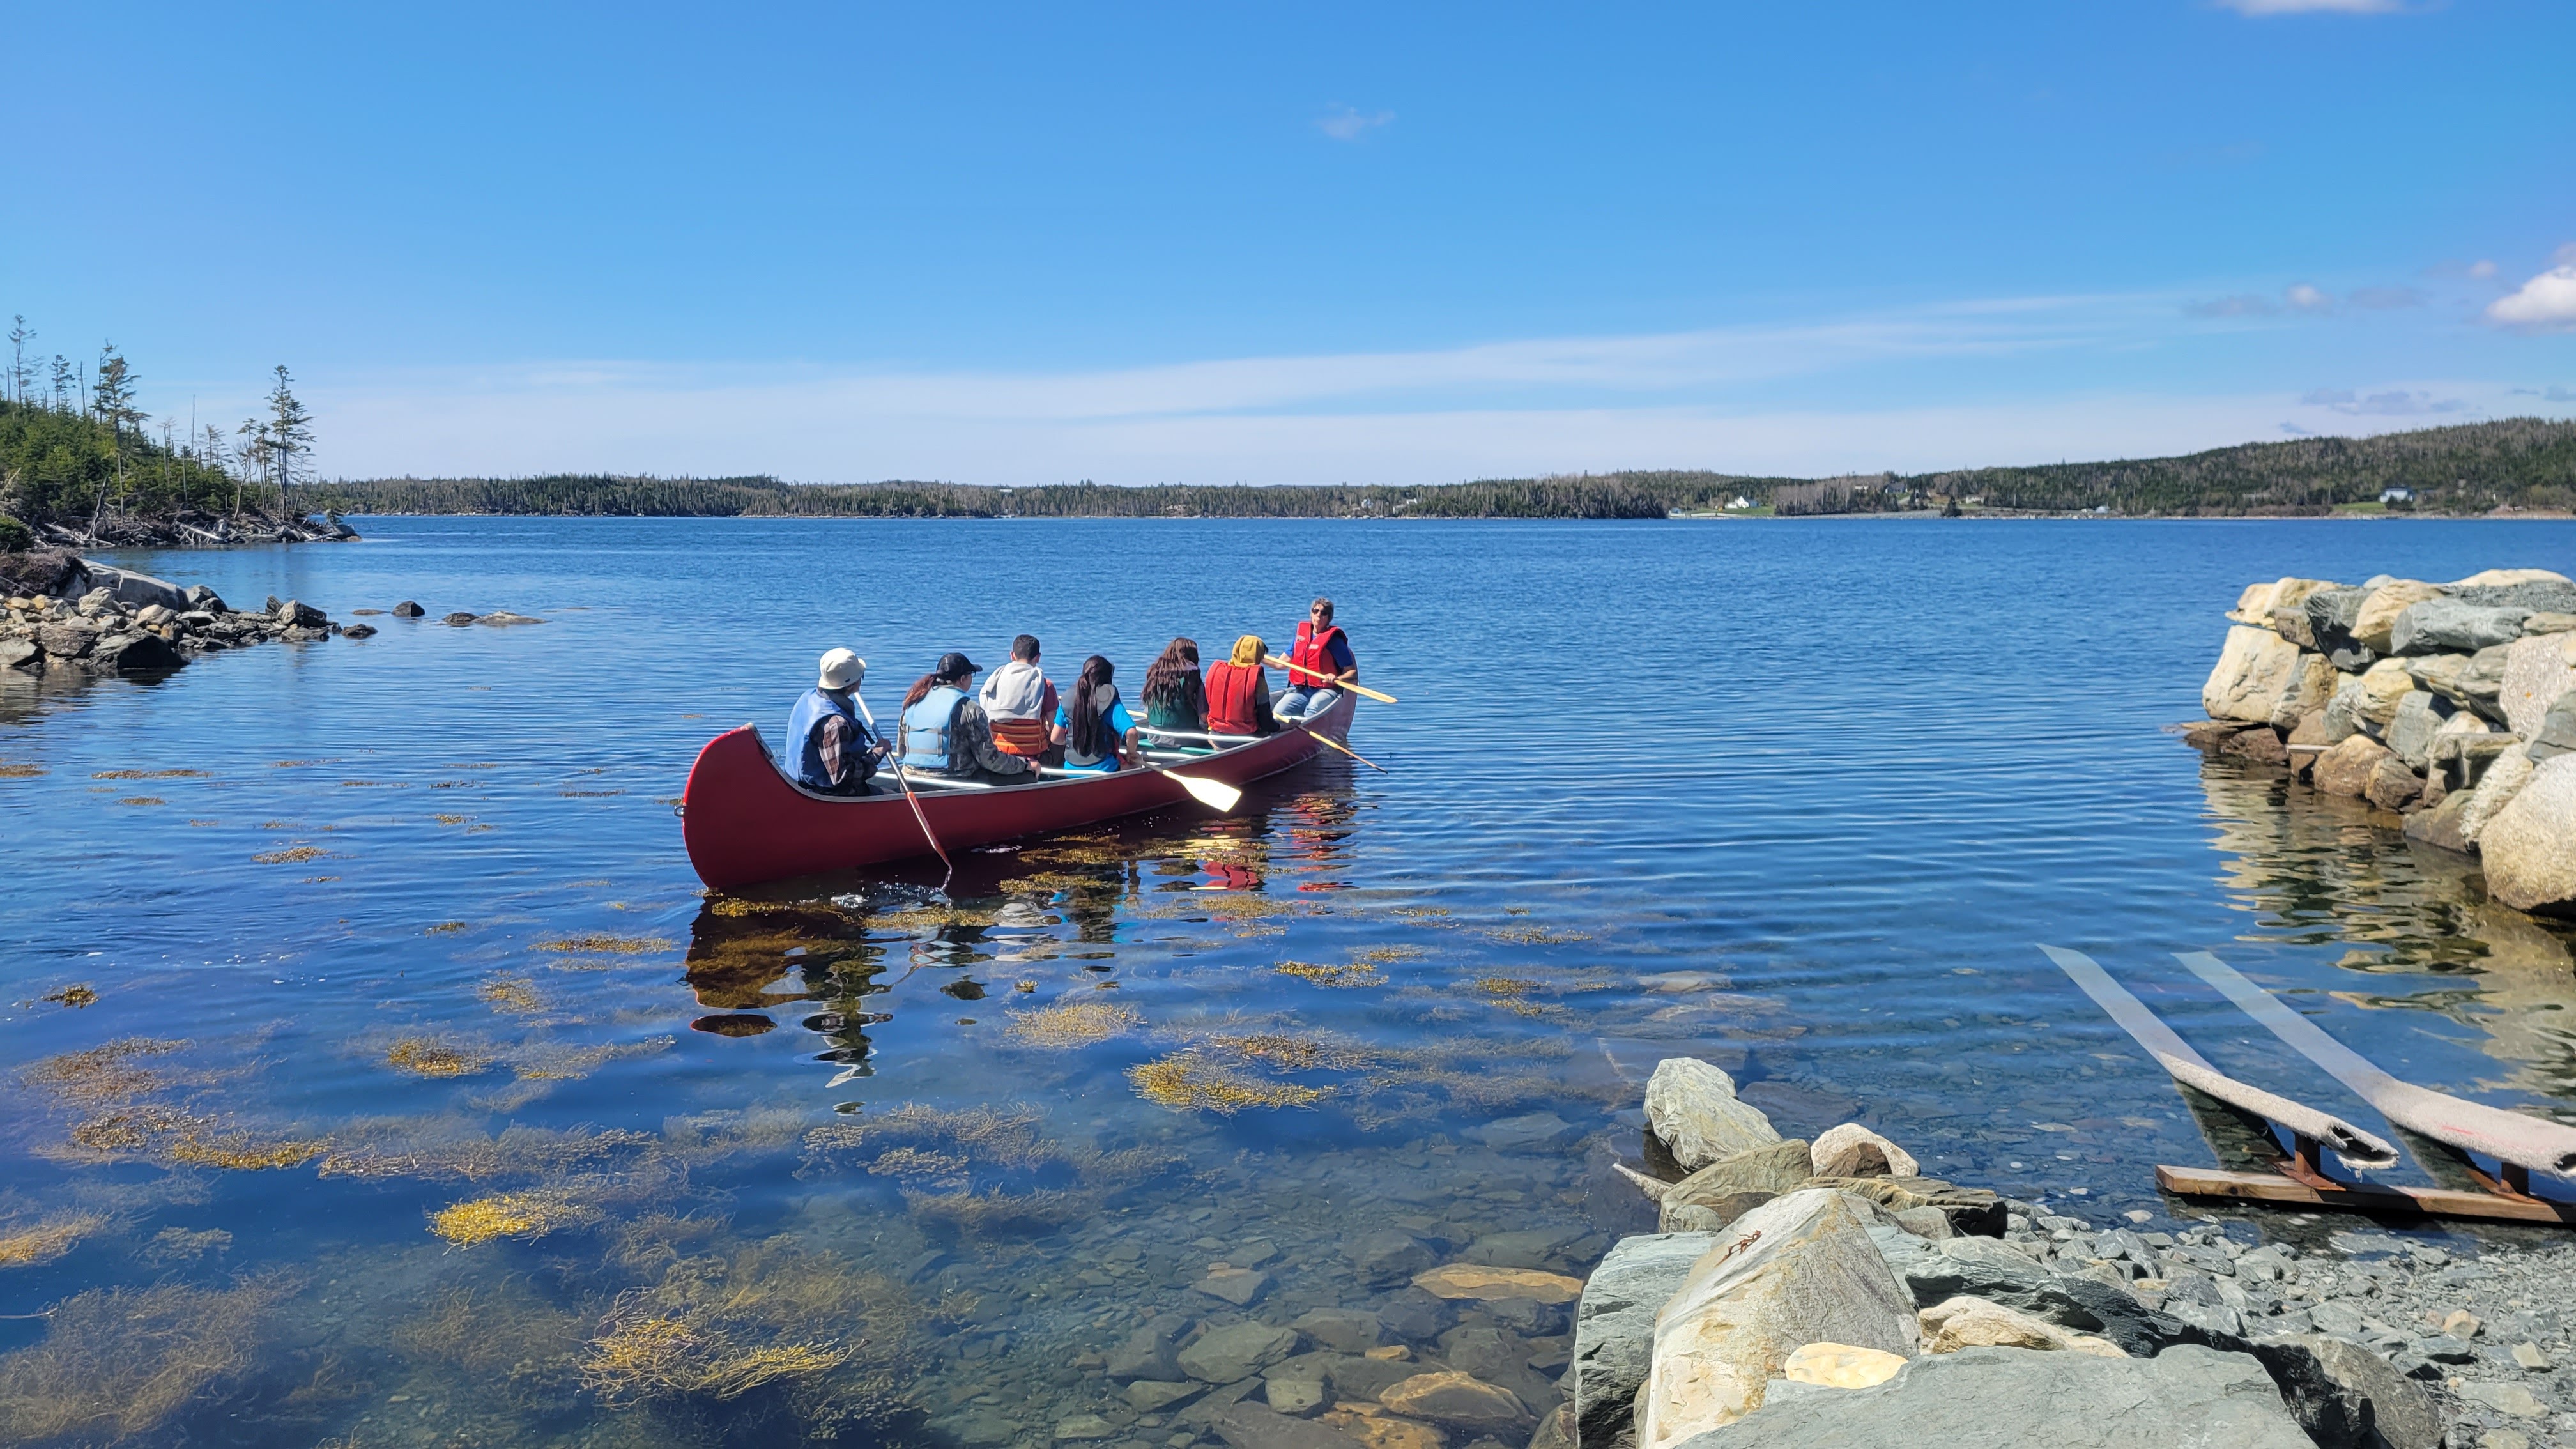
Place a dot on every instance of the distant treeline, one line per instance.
(2520, 462)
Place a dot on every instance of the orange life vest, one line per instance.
(1314, 651)
(1231, 691)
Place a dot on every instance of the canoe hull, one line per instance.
(746, 822)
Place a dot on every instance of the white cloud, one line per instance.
(2313, 7)
(1343, 123)
(2394, 403)
(2482, 270)
(2546, 303)
(2243, 304)
(2304, 298)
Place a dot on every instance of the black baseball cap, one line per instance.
(953, 664)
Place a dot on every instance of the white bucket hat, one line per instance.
(842, 670)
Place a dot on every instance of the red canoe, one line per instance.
(746, 822)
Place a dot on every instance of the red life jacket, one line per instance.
(1231, 690)
(1314, 651)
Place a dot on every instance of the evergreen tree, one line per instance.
(289, 438)
(19, 335)
(113, 404)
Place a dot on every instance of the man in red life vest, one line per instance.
(1322, 660)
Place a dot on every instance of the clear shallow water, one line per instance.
(840, 1158)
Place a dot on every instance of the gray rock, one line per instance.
(1929, 1223)
(1981, 1267)
(1525, 1248)
(1387, 1257)
(2007, 1398)
(360, 631)
(1296, 1397)
(981, 1428)
(1535, 1132)
(1734, 1185)
(1238, 1286)
(2410, 734)
(2439, 626)
(1363, 1379)
(1150, 1396)
(2530, 597)
(1348, 1330)
(1614, 1328)
(296, 614)
(2557, 732)
(408, 610)
(136, 590)
(66, 641)
(1237, 1352)
(20, 653)
(203, 599)
(1250, 1426)
(136, 654)
(2504, 1398)
(1692, 1108)
(459, 619)
(1151, 1352)
(2537, 671)
(2331, 616)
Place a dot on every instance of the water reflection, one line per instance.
(2413, 923)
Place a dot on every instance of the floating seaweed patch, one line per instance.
(504, 1338)
(1190, 1080)
(1283, 1053)
(15, 771)
(292, 855)
(116, 1362)
(242, 1152)
(1070, 1024)
(1536, 936)
(717, 1136)
(606, 945)
(72, 996)
(447, 1150)
(1320, 974)
(48, 1239)
(149, 775)
(451, 819)
(102, 1073)
(445, 928)
(554, 1062)
(179, 1245)
(515, 994)
(142, 800)
(430, 1057)
(204, 824)
(508, 1215)
(318, 880)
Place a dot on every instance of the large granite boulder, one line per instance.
(1734, 1185)
(2530, 845)
(1614, 1328)
(135, 590)
(1976, 1267)
(2391, 785)
(1692, 1108)
(2410, 729)
(2471, 680)
(1797, 1270)
(2536, 672)
(2503, 780)
(2331, 616)
(2347, 1397)
(2538, 593)
(2499, 578)
(2465, 748)
(1963, 1323)
(46, 573)
(2010, 1398)
(2257, 603)
(2441, 825)
(2377, 617)
(1852, 1150)
(2384, 686)
(2261, 677)
(2345, 769)
(136, 654)
(2438, 626)
(2341, 719)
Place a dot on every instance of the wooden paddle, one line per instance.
(1214, 794)
(1275, 662)
(1345, 749)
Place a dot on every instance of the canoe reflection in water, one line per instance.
(828, 950)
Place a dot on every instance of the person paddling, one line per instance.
(1322, 660)
(1020, 703)
(1094, 727)
(831, 749)
(944, 731)
(1238, 693)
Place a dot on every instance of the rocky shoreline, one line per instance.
(64, 613)
(2451, 705)
(1824, 1292)
(195, 529)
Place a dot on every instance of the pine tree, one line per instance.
(289, 438)
(19, 335)
(254, 455)
(113, 404)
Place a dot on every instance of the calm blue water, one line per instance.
(851, 1158)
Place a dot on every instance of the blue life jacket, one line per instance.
(807, 753)
(926, 739)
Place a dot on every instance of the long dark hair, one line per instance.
(1086, 733)
(1169, 678)
(921, 688)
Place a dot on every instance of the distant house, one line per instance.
(1741, 502)
(2396, 495)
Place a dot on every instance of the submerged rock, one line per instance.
(1232, 1354)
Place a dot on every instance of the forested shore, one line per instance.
(2513, 464)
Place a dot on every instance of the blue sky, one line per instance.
(1312, 243)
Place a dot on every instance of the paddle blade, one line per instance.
(1215, 795)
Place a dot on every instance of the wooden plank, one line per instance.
(2440, 1202)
